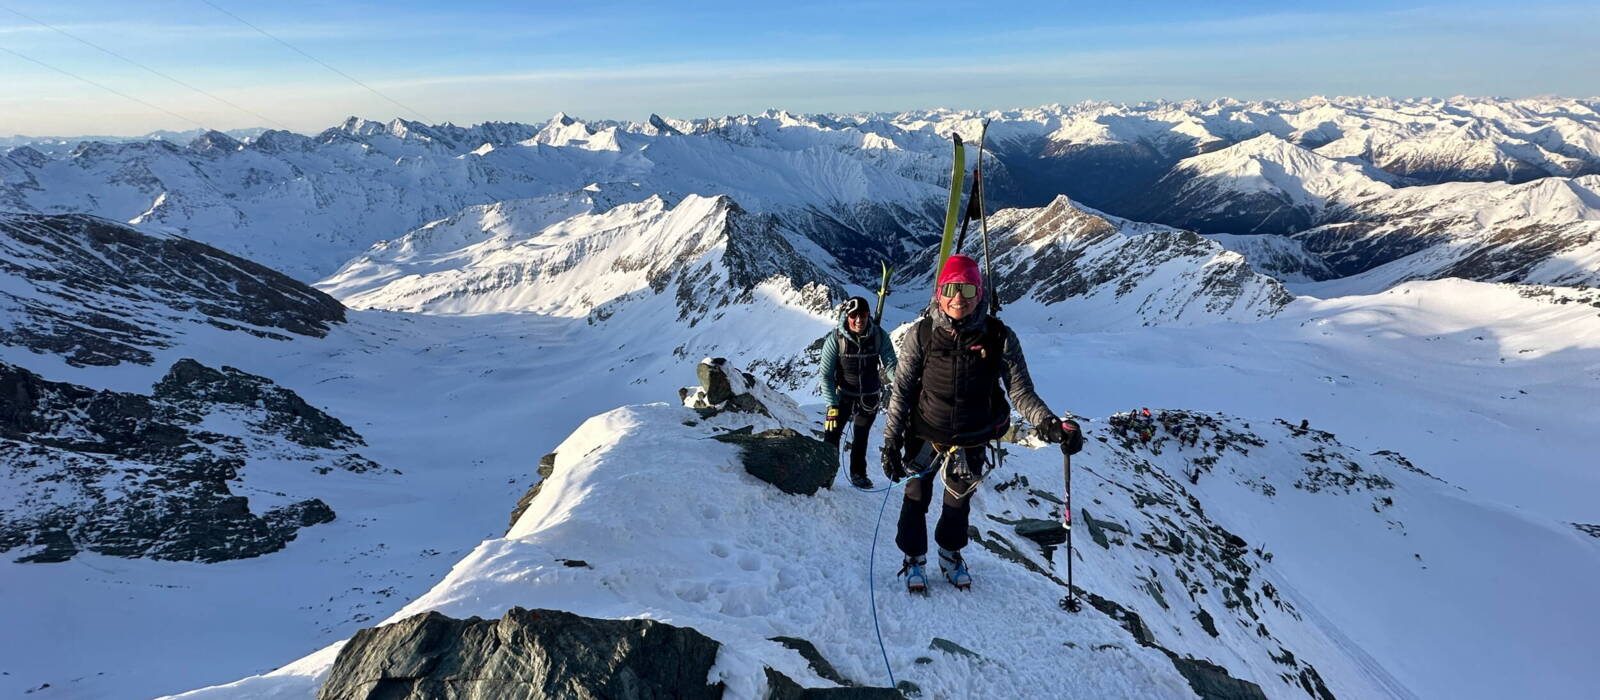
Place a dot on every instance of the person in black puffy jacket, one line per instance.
(958, 365)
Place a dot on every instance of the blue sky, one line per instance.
(468, 62)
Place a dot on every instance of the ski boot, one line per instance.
(916, 581)
(955, 569)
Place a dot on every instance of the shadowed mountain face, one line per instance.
(102, 293)
(1541, 232)
(154, 476)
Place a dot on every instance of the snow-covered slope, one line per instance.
(1221, 552)
(1285, 259)
(100, 293)
(584, 252)
(698, 276)
(1069, 266)
(1486, 386)
(1541, 232)
(461, 406)
(1264, 185)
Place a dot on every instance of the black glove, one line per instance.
(1064, 432)
(1072, 440)
(892, 466)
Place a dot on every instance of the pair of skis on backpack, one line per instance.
(951, 564)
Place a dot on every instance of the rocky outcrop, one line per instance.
(130, 475)
(525, 654)
(540, 654)
(98, 292)
(1203, 581)
(796, 464)
(781, 687)
(1208, 680)
(547, 466)
(725, 388)
(195, 388)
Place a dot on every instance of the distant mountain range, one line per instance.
(866, 187)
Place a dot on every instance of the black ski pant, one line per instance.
(951, 531)
(861, 411)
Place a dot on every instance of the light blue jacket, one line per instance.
(827, 374)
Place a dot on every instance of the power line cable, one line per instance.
(111, 90)
(318, 61)
(103, 49)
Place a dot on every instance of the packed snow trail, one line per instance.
(673, 529)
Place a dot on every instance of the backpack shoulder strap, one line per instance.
(994, 339)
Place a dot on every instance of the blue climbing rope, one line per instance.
(872, 558)
(872, 591)
(872, 555)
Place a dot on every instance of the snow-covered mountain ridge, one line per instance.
(1541, 232)
(584, 254)
(860, 186)
(1214, 554)
(1072, 266)
(461, 404)
(1264, 185)
(575, 254)
(1350, 216)
(101, 293)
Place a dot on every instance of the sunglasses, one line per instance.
(967, 290)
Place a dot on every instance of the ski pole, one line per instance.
(1069, 603)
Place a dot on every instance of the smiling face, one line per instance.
(856, 322)
(957, 306)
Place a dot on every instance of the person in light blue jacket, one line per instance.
(851, 358)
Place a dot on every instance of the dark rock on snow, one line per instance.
(1212, 682)
(781, 687)
(1047, 533)
(539, 654)
(723, 388)
(814, 658)
(547, 466)
(137, 476)
(194, 387)
(795, 463)
(525, 654)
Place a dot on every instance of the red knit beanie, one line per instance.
(960, 268)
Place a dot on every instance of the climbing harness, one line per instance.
(938, 463)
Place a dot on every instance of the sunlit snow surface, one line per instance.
(1484, 388)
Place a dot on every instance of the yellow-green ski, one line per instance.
(953, 209)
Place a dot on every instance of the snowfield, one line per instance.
(483, 396)
(672, 529)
